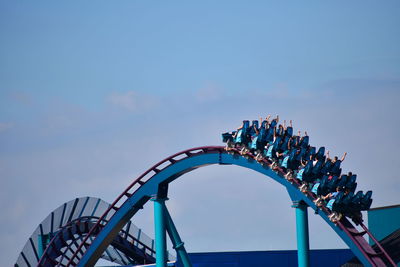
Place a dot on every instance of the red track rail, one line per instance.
(140, 181)
(376, 259)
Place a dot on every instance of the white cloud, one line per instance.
(279, 90)
(5, 126)
(22, 97)
(132, 101)
(209, 93)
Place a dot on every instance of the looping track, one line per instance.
(56, 238)
(69, 236)
(146, 185)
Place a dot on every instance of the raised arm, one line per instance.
(303, 163)
(327, 196)
(290, 122)
(284, 124)
(327, 155)
(344, 156)
(256, 130)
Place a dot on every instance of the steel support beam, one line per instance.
(303, 247)
(40, 246)
(176, 240)
(160, 231)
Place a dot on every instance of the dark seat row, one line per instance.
(328, 184)
(350, 203)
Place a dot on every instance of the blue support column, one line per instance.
(43, 241)
(160, 231)
(303, 247)
(176, 240)
(40, 246)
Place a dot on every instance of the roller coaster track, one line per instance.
(102, 233)
(60, 233)
(133, 250)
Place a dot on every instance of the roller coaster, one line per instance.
(66, 226)
(82, 231)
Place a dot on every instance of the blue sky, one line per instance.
(92, 94)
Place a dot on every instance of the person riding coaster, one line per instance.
(334, 198)
(237, 138)
(298, 160)
(255, 137)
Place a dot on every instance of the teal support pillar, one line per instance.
(303, 247)
(176, 240)
(160, 231)
(43, 241)
(40, 246)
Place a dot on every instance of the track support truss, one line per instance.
(163, 224)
